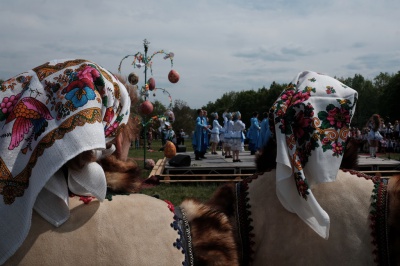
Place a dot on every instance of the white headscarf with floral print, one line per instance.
(311, 118)
(49, 115)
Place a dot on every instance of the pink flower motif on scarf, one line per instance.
(337, 149)
(111, 129)
(325, 141)
(338, 118)
(89, 73)
(287, 95)
(301, 97)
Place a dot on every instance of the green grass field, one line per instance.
(173, 192)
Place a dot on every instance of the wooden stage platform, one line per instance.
(217, 168)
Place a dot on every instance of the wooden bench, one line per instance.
(158, 169)
(383, 173)
(186, 178)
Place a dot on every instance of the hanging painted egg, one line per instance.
(133, 78)
(152, 83)
(173, 76)
(169, 149)
(146, 107)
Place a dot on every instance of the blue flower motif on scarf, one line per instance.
(80, 95)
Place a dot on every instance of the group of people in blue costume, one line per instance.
(230, 134)
(259, 133)
(200, 136)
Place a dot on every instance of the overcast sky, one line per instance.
(219, 45)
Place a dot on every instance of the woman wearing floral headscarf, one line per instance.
(60, 122)
(311, 121)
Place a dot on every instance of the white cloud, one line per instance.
(219, 46)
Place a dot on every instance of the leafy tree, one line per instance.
(364, 106)
(381, 81)
(273, 93)
(379, 96)
(380, 84)
(184, 117)
(159, 108)
(225, 103)
(389, 103)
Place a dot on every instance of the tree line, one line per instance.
(381, 95)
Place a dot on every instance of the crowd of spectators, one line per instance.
(390, 142)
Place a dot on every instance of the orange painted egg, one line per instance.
(169, 149)
(152, 83)
(146, 107)
(173, 76)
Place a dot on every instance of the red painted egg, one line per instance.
(146, 107)
(152, 83)
(173, 76)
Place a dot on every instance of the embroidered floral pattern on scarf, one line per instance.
(28, 112)
(306, 131)
(49, 115)
(311, 120)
